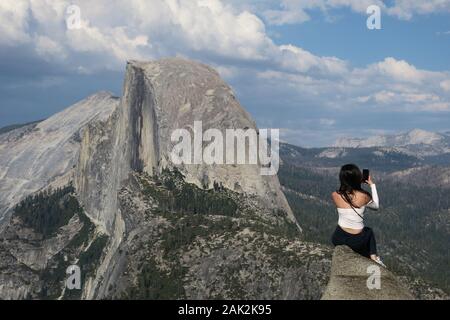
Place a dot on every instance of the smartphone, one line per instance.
(366, 174)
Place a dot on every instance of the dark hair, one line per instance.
(351, 178)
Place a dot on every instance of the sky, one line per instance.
(313, 69)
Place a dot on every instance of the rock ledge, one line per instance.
(349, 276)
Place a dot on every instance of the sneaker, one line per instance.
(378, 260)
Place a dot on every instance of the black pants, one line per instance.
(362, 243)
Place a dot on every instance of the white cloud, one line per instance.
(436, 107)
(139, 29)
(327, 122)
(410, 101)
(298, 59)
(290, 12)
(398, 70)
(112, 42)
(49, 49)
(406, 9)
(154, 28)
(445, 85)
(384, 96)
(406, 100)
(298, 11)
(14, 22)
(233, 40)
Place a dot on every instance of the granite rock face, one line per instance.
(172, 94)
(350, 273)
(160, 97)
(46, 154)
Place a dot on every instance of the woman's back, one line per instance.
(359, 199)
(351, 218)
(351, 214)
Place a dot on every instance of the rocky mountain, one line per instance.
(44, 154)
(415, 142)
(94, 186)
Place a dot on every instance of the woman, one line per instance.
(351, 201)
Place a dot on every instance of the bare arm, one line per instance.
(375, 202)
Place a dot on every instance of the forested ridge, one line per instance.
(48, 210)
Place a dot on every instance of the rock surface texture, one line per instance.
(158, 98)
(349, 276)
(170, 94)
(37, 156)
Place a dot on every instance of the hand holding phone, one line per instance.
(366, 175)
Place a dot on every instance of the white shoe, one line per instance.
(378, 260)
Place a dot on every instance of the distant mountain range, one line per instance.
(416, 142)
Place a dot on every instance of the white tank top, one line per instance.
(353, 218)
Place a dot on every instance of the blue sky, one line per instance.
(310, 68)
(419, 41)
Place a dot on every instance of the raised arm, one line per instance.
(375, 202)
